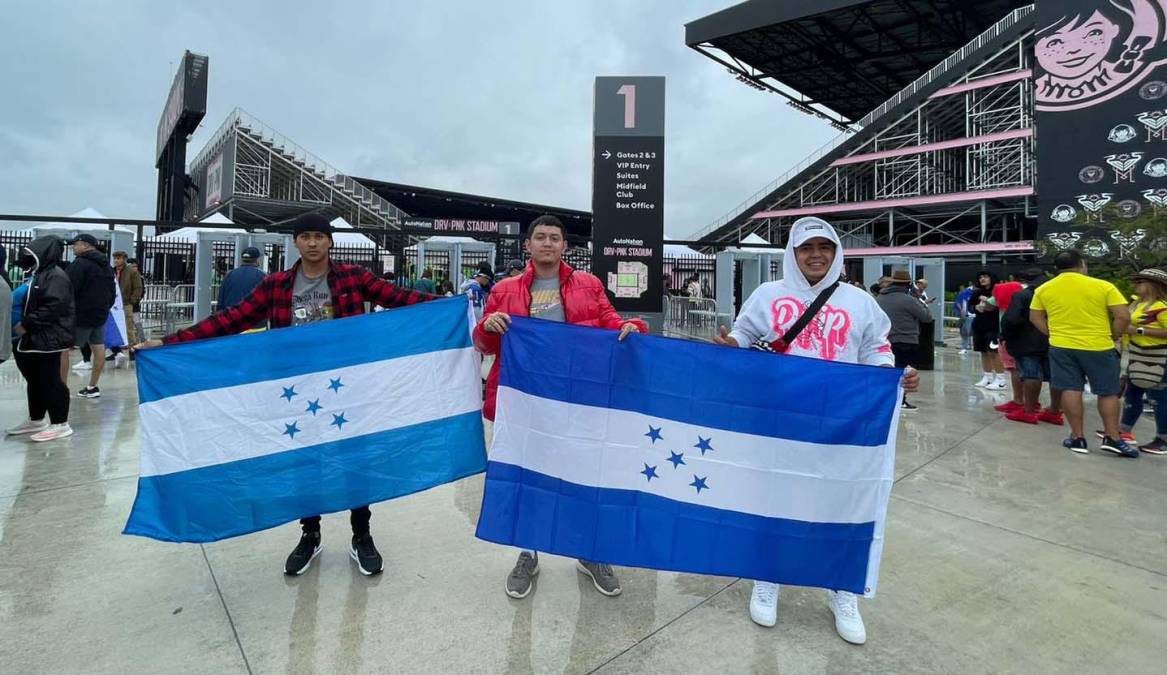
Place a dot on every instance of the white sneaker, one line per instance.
(963, 352)
(985, 381)
(121, 361)
(764, 603)
(28, 427)
(83, 365)
(53, 432)
(999, 383)
(848, 623)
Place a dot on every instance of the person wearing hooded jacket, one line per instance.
(850, 328)
(44, 333)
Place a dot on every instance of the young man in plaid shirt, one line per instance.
(314, 289)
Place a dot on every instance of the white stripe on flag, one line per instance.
(250, 420)
(764, 476)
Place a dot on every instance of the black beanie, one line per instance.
(311, 222)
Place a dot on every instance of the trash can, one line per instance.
(926, 352)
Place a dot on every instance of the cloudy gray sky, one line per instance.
(491, 98)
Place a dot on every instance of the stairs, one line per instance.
(269, 166)
(827, 177)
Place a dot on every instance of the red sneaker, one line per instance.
(1011, 406)
(1047, 415)
(1022, 416)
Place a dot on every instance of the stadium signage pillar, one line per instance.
(628, 192)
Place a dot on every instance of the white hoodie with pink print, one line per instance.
(850, 328)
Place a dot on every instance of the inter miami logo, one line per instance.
(1124, 165)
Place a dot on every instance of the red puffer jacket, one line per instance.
(584, 303)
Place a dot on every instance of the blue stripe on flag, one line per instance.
(755, 392)
(227, 500)
(626, 527)
(259, 357)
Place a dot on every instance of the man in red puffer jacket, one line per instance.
(548, 289)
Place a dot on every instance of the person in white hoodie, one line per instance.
(850, 328)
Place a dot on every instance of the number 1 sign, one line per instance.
(628, 191)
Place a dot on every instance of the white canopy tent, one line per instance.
(191, 234)
(92, 228)
(349, 239)
(755, 239)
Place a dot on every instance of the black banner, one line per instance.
(1100, 90)
(628, 191)
(463, 226)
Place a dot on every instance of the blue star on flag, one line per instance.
(290, 430)
(339, 421)
(335, 385)
(654, 434)
(676, 458)
(699, 483)
(289, 392)
(703, 444)
(313, 406)
(649, 472)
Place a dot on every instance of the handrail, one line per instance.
(907, 92)
(364, 197)
(937, 71)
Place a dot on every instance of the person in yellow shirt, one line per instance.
(1147, 334)
(1083, 318)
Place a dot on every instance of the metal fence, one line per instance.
(695, 318)
(679, 272)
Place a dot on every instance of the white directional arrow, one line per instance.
(607, 155)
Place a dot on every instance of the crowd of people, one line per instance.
(60, 306)
(1068, 333)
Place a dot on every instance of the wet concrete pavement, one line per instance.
(1004, 553)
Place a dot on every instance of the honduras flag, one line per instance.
(115, 323)
(683, 456)
(247, 432)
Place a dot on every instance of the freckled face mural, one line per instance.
(1100, 80)
(1092, 51)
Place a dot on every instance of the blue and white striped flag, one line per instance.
(247, 432)
(683, 456)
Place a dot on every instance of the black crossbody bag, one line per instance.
(782, 344)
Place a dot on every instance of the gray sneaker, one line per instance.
(524, 572)
(602, 576)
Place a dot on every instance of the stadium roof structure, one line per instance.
(424, 202)
(839, 59)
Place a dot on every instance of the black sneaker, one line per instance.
(602, 576)
(301, 557)
(1078, 445)
(89, 392)
(908, 407)
(1155, 447)
(1119, 447)
(520, 579)
(365, 554)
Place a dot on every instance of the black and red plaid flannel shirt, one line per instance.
(351, 286)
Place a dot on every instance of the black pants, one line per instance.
(905, 353)
(46, 391)
(358, 518)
